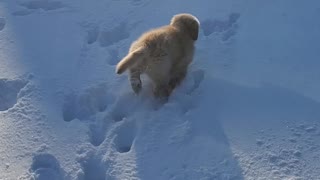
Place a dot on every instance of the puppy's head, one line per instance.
(186, 23)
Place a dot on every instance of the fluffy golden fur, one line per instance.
(163, 54)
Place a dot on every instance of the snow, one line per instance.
(249, 107)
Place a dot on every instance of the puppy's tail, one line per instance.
(132, 58)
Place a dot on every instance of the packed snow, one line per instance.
(249, 108)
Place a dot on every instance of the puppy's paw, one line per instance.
(161, 92)
(136, 85)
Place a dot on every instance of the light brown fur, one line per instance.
(163, 54)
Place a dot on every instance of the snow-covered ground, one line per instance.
(248, 109)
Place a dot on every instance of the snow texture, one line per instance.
(249, 108)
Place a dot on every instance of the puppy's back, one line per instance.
(155, 37)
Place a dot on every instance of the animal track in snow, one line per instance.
(118, 115)
(111, 36)
(92, 34)
(92, 168)
(34, 5)
(197, 77)
(86, 104)
(114, 57)
(123, 107)
(139, 2)
(46, 167)
(119, 112)
(125, 137)
(97, 132)
(2, 23)
(105, 36)
(22, 12)
(183, 95)
(192, 81)
(46, 5)
(226, 27)
(9, 90)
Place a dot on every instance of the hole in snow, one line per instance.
(97, 133)
(113, 57)
(114, 35)
(82, 106)
(124, 149)
(92, 34)
(9, 90)
(46, 167)
(125, 137)
(93, 169)
(2, 23)
(198, 77)
(42, 4)
(228, 27)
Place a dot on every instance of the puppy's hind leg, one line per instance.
(177, 78)
(161, 91)
(135, 81)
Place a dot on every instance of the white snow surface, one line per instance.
(249, 107)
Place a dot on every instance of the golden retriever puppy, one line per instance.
(163, 54)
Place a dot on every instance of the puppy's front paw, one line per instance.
(136, 85)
